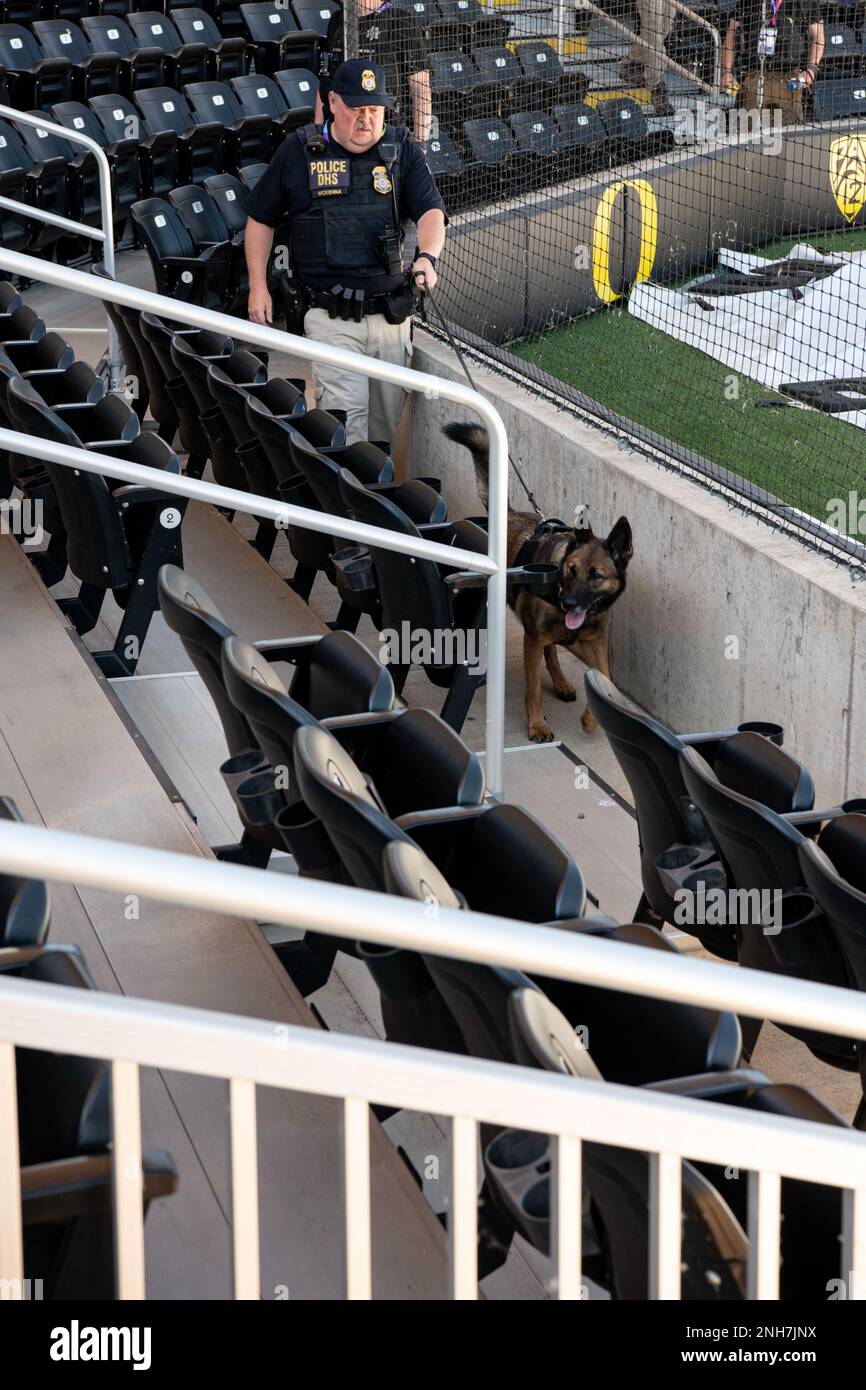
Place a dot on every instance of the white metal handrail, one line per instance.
(493, 565)
(103, 234)
(248, 1052)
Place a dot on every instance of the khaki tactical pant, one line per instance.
(372, 407)
(656, 22)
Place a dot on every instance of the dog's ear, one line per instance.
(619, 543)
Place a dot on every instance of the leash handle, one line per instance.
(428, 295)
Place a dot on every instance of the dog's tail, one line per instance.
(474, 438)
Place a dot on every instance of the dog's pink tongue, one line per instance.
(574, 618)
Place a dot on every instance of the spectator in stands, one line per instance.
(645, 60)
(345, 190)
(789, 35)
(391, 37)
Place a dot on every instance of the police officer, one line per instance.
(345, 189)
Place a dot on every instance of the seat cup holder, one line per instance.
(774, 732)
(399, 974)
(258, 801)
(795, 930)
(857, 806)
(353, 567)
(239, 768)
(517, 1167)
(675, 864)
(304, 836)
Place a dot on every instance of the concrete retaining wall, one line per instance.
(723, 619)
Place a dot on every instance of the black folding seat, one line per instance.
(117, 535)
(184, 62)
(333, 675)
(65, 1144)
(583, 137)
(191, 364)
(499, 166)
(136, 380)
(674, 840)
(478, 28)
(126, 174)
(93, 73)
(246, 139)
(228, 18)
(180, 269)
(227, 192)
(34, 78)
(25, 908)
(226, 57)
(10, 300)
(315, 15)
(299, 87)
(843, 53)
(25, 341)
(232, 382)
(157, 361)
(201, 215)
(157, 150)
(447, 168)
(140, 66)
(626, 128)
(539, 59)
(418, 592)
(16, 231)
(199, 145)
(20, 11)
(838, 96)
(497, 64)
(758, 804)
(54, 153)
(539, 139)
(439, 32)
(455, 84)
(260, 95)
(277, 39)
(811, 1212)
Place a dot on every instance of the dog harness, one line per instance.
(551, 526)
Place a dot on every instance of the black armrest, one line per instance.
(213, 130)
(136, 494)
(159, 140)
(709, 1085)
(70, 1187)
(435, 831)
(297, 650)
(813, 817)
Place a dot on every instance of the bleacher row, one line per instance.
(362, 790)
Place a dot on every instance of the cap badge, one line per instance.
(368, 80)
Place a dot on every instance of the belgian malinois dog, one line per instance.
(591, 577)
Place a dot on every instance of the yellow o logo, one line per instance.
(649, 232)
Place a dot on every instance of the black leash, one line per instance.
(428, 295)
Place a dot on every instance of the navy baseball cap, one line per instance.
(361, 83)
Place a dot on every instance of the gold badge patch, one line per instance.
(368, 80)
(848, 174)
(381, 182)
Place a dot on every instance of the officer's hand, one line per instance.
(423, 274)
(260, 307)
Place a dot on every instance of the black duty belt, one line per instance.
(350, 304)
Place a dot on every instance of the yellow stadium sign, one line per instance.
(848, 174)
(649, 233)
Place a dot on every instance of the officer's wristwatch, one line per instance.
(427, 257)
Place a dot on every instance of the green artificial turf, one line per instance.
(804, 457)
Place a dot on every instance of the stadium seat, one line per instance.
(16, 231)
(747, 799)
(199, 145)
(93, 73)
(539, 138)
(539, 59)
(184, 62)
(157, 150)
(25, 908)
(65, 1142)
(583, 137)
(226, 57)
(193, 367)
(439, 32)
(447, 168)
(117, 536)
(478, 28)
(673, 843)
(519, 91)
(181, 269)
(140, 66)
(457, 89)
(227, 192)
(34, 78)
(842, 53)
(232, 382)
(54, 154)
(246, 139)
(25, 341)
(158, 337)
(315, 15)
(835, 97)
(626, 128)
(126, 173)
(419, 593)
(262, 96)
(279, 42)
(498, 164)
(299, 87)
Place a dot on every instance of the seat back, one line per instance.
(580, 125)
(213, 101)
(24, 904)
(623, 120)
(164, 109)
(833, 871)
(195, 26)
(61, 39)
(536, 133)
(490, 139)
(153, 29)
(191, 613)
(259, 95)
(299, 86)
(227, 192)
(200, 215)
(538, 59)
(162, 230)
(109, 34)
(18, 48)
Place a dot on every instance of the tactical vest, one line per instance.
(339, 240)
